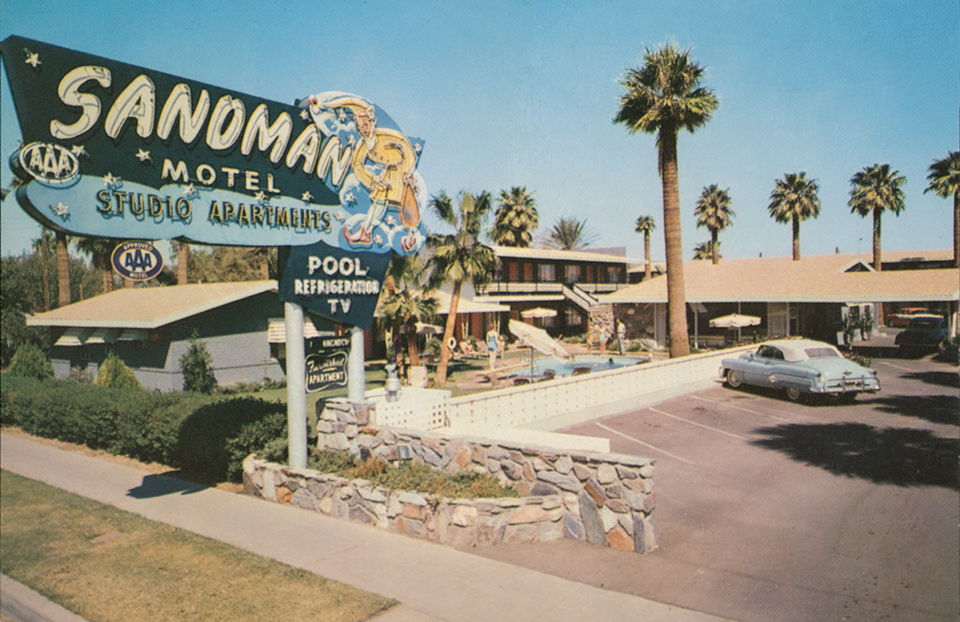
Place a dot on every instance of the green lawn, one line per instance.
(108, 565)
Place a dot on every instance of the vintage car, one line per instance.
(925, 332)
(902, 318)
(799, 367)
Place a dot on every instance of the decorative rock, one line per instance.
(583, 473)
(592, 524)
(595, 493)
(626, 473)
(284, 494)
(608, 518)
(404, 452)
(528, 514)
(616, 505)
(606, 474)
(464, 516)
(646, 471)
(541, 489)
(512, 469)
(303, 498)
(644, 534)
(497, 453)
(411, 498)
(529, 471)
(563, 465)
(619, 540)
(521, 533)
(613, 492)
(564, 482)
(572, 529)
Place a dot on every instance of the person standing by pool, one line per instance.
(492, 345)
(622, 337)
(603, 339)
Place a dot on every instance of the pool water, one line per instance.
(565, 368)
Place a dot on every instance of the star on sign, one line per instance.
(307, 197)
(78, 150)
(304, 115)
(61, 210)
(33, 58)
(143, 156)
(260, 196)
(110, 181)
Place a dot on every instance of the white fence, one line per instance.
(515, 406)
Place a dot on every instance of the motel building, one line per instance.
(807, 298)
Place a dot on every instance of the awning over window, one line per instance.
(103, 335)
(277, 333)
(73, 337)
(133, 334)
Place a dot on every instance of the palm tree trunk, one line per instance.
(183, 258)
(877, 259)
(676, 293)
(46, 269)
(714, 234)
(106, 273)
(646, 253)
(956, 229)
(413, 351)
(448, 334)
(264, 263)
(63, 269)
(796, 238)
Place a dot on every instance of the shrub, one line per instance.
(30, 361)
(115, 374)
(196, 365)
(215, 438)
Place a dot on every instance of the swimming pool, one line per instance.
(594, 363)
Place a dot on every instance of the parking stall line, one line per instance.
(706, 427)
(726, 405)
(648, 445)
(900, 367)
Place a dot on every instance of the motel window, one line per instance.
(527, 272)
(572, 274)
(613, 274)
(574, 318)
(547, 272)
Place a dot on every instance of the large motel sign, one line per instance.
(119, 151)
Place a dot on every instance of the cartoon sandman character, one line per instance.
(384, 162)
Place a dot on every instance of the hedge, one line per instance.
(203, 435)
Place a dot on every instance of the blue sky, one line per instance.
(522, 94)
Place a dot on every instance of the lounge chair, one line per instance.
(580, 370)
(467, 349)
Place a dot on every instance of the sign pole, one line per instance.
(356, 380)
(296, 386)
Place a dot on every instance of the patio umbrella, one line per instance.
(734, 320)
(538, 339)
(428, 329)
(538, 312)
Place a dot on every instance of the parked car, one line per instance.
(925, 332)
(799, 367)
(902, 318)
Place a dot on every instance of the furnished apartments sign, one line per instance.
(118, 151)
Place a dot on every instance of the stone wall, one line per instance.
(601, 498)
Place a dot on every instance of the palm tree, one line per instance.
(706, 250)
(405, 302)
(41, 245)
(945, 182)
(646, 225)
(794, 198)
(713, 213)
(100, 251)
(663, 97)
(569, 234)
(63, 269)
(516, 218)
(183, 261)
(875, 189)
(459, 256)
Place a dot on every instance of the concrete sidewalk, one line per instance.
(432, 582)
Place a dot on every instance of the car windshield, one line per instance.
(924, 323)
(821, 353)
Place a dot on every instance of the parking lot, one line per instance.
(771, 510)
